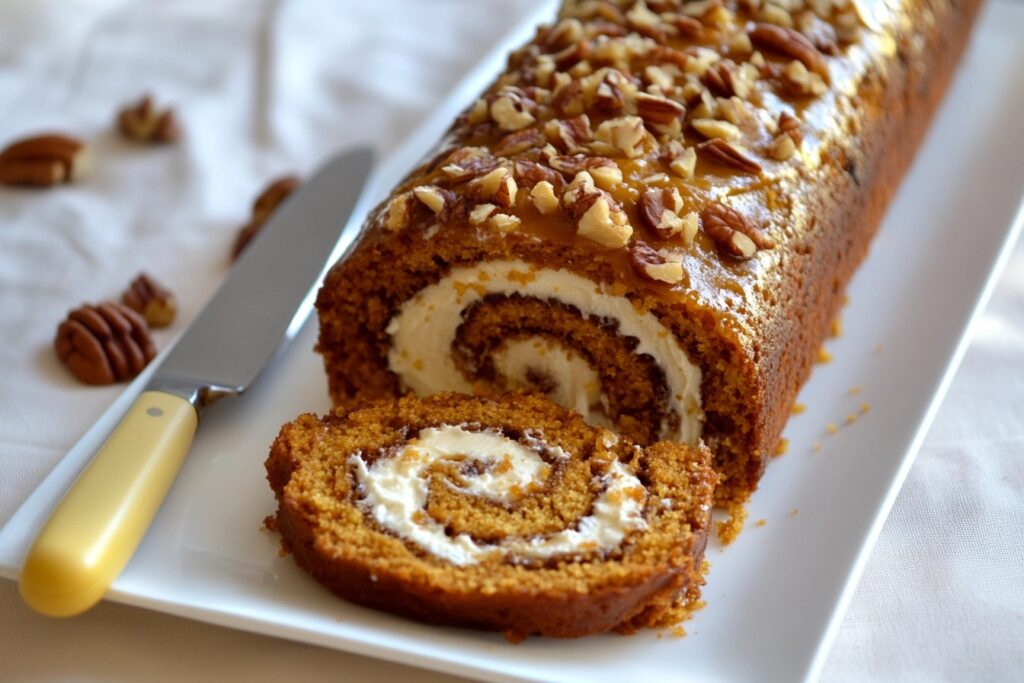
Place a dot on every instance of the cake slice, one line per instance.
(505, 513)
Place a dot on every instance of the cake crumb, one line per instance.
(761, 522)
(782, 448)
(864, 408)
(823, 355)
(837, 327)
(816, 446)
(851, 418)
(729, 530)
(794, 512)
(831, 428)
(878, 349)
(797, 409)
(853, 391)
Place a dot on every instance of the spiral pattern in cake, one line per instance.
(510, 513)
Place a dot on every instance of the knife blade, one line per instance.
(93, 532)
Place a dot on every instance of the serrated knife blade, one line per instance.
(95, 529)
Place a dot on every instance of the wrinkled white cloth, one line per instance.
(267, 87)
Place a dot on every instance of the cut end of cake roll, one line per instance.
(503, 513)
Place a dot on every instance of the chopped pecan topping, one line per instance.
(498, 186)
(504, 222)
(520, 141)
(802, 82)
(399, 211)
(820, 33)
(684, 163)
(571, 56)
(660, 110)
(434, 198)
(655, 265)
(732, 232)
(782, 147)
(790, 125)
(605, 223)
(568, 99)
(468, 162)
(481, 212)
(564, 33)
(509, 110)
(730, 154)
(606, 177)
(716, 129)
(608, 97)
(641, 19)
(626, 134)
(530, 173)
(572, 165)
(543, 196)
(570, 135)
(792, 44)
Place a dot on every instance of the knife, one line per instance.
(95, 529)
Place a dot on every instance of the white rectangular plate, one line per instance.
(775, 596)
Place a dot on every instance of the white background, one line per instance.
(265, 88)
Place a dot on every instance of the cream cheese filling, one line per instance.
(395, 488)
(424, 328)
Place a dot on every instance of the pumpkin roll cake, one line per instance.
(651, 216)
(507, 513)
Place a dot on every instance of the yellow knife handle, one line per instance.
(96, 528)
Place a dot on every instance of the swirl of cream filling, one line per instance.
(424, 328)
(395, 487)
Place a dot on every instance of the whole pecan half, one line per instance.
(733, 232)
(42, 161)
(719, 78)
(660, 110)
(105, 343)
(791, 43)
(729, 154)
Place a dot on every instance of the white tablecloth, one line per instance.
(266, 87)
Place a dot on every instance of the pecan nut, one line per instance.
(659, 209)
(791, 43)
(105, 343)
(730, 154)
(732, 232)
(652, 264)
(520, 141)
(151, 300)
(658, 110)
(42, 161)
(262, 208)
(143, 122)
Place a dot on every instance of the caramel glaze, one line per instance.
(769, 314)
